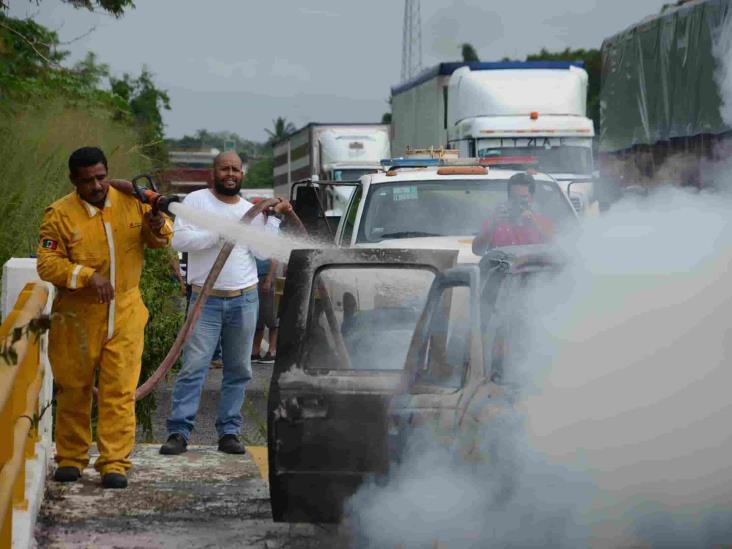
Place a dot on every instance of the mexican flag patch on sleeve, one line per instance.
(49, 244)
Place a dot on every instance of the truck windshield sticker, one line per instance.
(405, 193)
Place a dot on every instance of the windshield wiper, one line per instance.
(407, 234)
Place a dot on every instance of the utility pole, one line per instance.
(411, 40)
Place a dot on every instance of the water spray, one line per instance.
(171, 205)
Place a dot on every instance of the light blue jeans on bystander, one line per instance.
(233, 320)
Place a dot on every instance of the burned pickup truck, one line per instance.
(376, 342)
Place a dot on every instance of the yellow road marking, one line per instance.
(259, 456)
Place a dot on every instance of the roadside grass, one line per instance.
(35, 143)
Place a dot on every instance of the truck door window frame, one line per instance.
(349, 223)
(420, 383)
(325, 321)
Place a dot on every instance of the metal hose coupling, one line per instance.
(147, 194)
(162, 202)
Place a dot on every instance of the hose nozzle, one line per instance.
(163, 202)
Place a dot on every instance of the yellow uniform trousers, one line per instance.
(79, 346)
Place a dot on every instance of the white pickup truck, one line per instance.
(436, 204)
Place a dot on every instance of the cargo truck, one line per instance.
(532, 112)
(662, 108)
(334, 152)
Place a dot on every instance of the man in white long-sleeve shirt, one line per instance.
(229, 314)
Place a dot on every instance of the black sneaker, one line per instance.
(114, 480)
(67, 474)
(256, 358)
(230, 444)
(268, 359)
(176, 444)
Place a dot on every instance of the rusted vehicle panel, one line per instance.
(346, 329)
(469, 338)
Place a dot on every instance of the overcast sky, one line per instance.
(237, 64)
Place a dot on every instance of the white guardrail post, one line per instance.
(17, 272)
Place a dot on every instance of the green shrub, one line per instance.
(35, 144)
(161, 293)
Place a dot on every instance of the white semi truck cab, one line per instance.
(532, 111)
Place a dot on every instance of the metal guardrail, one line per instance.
(21, 379)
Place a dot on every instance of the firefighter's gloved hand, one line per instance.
(154, 220)
(104, 288)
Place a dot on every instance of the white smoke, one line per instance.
(256, 238)
(622, 433)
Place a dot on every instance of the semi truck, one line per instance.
(531, 113)
(662, 106)
(334, 152)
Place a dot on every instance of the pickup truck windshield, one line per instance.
(449, 207)
(558, 159)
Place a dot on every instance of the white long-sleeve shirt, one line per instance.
(240, 270)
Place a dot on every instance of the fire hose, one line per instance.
(161, 203)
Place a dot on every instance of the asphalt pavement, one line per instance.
(203, 498)
(254, 410)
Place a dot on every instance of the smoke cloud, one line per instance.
(620, 433)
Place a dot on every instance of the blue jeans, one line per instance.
(233, 321)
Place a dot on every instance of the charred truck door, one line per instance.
(347, 323)
(444, 363)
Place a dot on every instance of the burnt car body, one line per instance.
(347, 322)
(425, 344)
(459, 373)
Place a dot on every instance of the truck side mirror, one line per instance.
(308, 208)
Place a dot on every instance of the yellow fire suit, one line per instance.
(78, 240)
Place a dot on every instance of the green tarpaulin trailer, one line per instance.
(660, 93)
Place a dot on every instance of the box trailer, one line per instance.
(661, 102)
(336, 152)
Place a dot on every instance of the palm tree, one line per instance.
(282, 128)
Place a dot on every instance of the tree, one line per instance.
(259, 175)
(469, 53)
(115, 7)
(146, 102)
(91, 71)
(222, 140)
(386, 118)
(282, 128)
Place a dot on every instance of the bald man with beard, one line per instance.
(229, 314)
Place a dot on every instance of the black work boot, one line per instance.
(114, 480)
(176, 444)
(230, 444)
(67, 474)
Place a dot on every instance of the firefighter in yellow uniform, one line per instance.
(91, 249)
